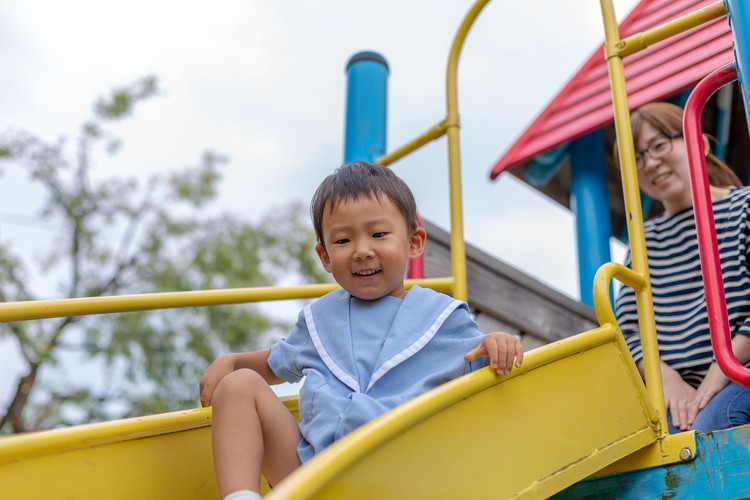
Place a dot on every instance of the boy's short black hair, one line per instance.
(358, 179)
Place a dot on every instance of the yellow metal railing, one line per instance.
(640, 41)
(41, 309)
(450, 127)
(638, 278)
(455, 284)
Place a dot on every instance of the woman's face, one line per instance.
(667, 178)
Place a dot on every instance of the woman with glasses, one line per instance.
(696, 392)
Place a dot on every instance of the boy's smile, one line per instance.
(367, 245)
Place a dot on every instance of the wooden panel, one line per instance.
(509, 297)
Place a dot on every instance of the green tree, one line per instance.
(118, 236)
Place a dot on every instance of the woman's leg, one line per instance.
(252, 432)
(730, 407)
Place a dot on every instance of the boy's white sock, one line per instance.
(243, 495)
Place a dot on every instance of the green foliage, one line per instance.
(119, 236)
(121, 102)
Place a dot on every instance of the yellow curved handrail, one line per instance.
(633, 214)
(602, 300)
(615, 50)
(450, 127)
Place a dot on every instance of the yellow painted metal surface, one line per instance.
(671, 449)
(434, 133)
(450, 127)
(156, 457)
(452, 123)
(573, 408)
(60, 308)
(633, 211)
(640, 41)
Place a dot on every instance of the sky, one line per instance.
(263, 82)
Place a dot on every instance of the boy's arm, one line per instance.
(501, 348)
(227, 363)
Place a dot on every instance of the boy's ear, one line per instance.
(323, 256)
(416, 242)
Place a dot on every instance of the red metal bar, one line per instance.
(713, 281)
(416, 266)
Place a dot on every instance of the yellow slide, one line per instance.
(573, 408)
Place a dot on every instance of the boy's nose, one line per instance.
(362, 251)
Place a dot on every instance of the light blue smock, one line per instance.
(361, 358)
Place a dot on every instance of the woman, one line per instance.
(697, 394)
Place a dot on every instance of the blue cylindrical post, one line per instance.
(366, 107)
(738, 11)
(590, 203)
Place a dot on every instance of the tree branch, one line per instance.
(14, 414)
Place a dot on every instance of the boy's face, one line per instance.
(367, 247)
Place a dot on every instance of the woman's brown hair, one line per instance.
(667, 118)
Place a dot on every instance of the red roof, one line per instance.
(655, 73)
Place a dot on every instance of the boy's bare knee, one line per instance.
(239, 383)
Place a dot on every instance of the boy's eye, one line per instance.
(341, 241)
(379, 235)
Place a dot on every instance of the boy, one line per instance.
(363, 349)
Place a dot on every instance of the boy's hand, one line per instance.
(223, 366)
(501, 348)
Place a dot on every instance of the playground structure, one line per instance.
(578, 406)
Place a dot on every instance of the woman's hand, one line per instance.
(678, 397)
(223, 366)
(713, 382)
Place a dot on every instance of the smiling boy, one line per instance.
(363, 349)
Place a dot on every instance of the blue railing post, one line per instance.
(590, 203)
(738, 12)
(366, 107)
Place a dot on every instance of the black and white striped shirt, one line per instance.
(677, 285)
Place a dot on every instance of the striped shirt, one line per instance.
(677, 285)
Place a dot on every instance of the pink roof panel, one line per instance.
(658, 72)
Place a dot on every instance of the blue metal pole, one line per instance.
(738, 12)
(723, 121)
(366, 107)
(590, 203)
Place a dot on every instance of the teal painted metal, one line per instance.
(545, 166)
(724, 99)
(721, 469)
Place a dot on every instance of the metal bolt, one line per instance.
(686, 454)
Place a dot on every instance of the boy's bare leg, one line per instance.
(252, 432)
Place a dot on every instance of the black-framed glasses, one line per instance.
(660, 148)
